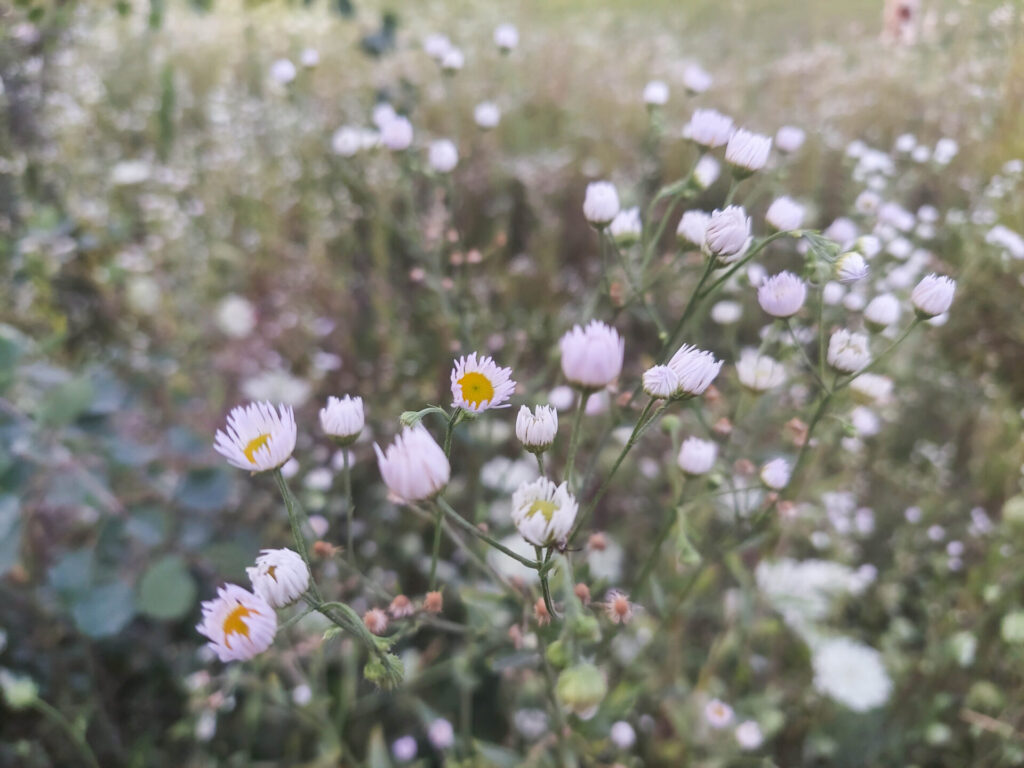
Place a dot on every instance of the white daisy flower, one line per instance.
(848, 352)
(257, 437)
(442, 156)
(537, 430)
(851, 673)
(601, 203)
(718, 714)
(506, 37)
(933, 296)
(775, 474)
(785, 214)
(789, 138)
(238, 623)
(696, 369)
(280, 576)
(661, 381)
(343, 418)
(592, 355)
(759, 373)
(782, 295)
(696, 79)
(727, 236)
(543, 512)
(692, 227)
(709, 128)
(479, 384)
(696, 456)
(414, 467)
(747, 151)
(656, 93)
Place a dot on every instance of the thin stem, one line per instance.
(566, 758)
(437, 547)
(55, 716)
(734, 184)
(453, 421)
(795, 479)
(545, 586)
(742, 262)
(346, 474)
(295, 518)
(652, 557)
(574, 439)
(540, 462)
(803, 353)
(635, 287)
(821, 335)
(888, 350)
(467, 526)
(691, 305)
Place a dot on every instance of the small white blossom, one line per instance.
(592, 355)
(708, 128)
(601, 203)
(785, 214)
(239, 624)
(414, 467)
(506, 37)
(257, 437)
(747, 151)
(537, 430)
(656, 93)
(543, 512)
(696, 456)
(782, 295)
(718, 714)
(442, 156)
(789, 138)
(882, 311)
(706, 171)
(848, 352)
(661, 382)
(280, 576)
(487, 115)
(758, 372)
(851, 267)
(692, 227)
(775, 474)
(343, 418)
(727, 236)
(933, 296)
(696, 79)
(696, 369)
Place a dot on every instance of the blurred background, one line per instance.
(182, 230)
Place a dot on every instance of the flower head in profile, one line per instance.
(661, 381)
(851, 673)
(626, 227)
(708, 128)
(696, 79)
(747, 152)
(718, 714)
(258, 437)
(692, 227)
(592, 355)
(238, 623)
(775, 474)
(848, 352)
(851, 267)
(486, 115)
(782, 295)
(882, 311)
(785, 214)
(506, 37)
(396, 133)
(442, 156)
(280, 576)
(696, 369)
(537, 430)
(696, 456)
(601, 203)
(543, 512)
(478, 383)
(727, 236)
(933, 296)
(706, 171)
(656, 93)
(414, 467)
(758, 372)
(789, 138)
(343, 418)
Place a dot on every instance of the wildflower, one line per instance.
(748, 735)
(785, 214)
(236, 316)
(626, 227)
(789, 138)
(582, 688)
(257, 437)
(601, 203)
(479, 384)
(692, 227)
(933, 296)
(442, 156)
(782, 295)
(622, 734)
(376, 621)
(758, 372)
(541, 613)
(661, 381)
(882, 311)
(708, 128)
(582, 592)
(775, 474)
(543, 512)
(696, 79)
(696, 456)
(349, 140)
(851, 267)
(592, 355)
(452, 61)
(726, 312)
(872, 387)
(343, 418)
(727, 236)
(851, 674)
(848, 352)
(310, 58)
(436, 46)
(414, 467)
(747, 152)
(433, 602)
(396, 134)
(238, 623)
(506, 37)
(283, 71)
(696, 369)
(537, 430)
(656, 93)
(706, 171)
(401, 607)
(280, 576)
(617, 607)
(441, 733)
(486, 115)
(718, 714)
(404, 748)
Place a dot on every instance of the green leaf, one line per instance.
(104, 610)
(377, 754)
(687, 553)
(148, 525)
(72, 575)
(65, 402)
(206, 490)
(167, 590)
(10, 532)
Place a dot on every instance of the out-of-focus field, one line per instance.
(180, 234)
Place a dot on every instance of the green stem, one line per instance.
(55, 716)
(453, 421)
(821, 335)
(566, 757)
(574, 439)
(652, 557)
(734, 184)
(545, 586)
(888, 350)
(633, 286)
(795, 479)
(436, 552)
(803, 353)
(691, 305)
(296, 516)
(540, 462)
(467, 526)
(349, 506)
(742, 262)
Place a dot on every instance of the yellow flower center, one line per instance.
(546, 508)
(233, 624)
(254, 445)
(272, 572)
(476, 388)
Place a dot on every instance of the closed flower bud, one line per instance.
(933, 296)
(696, 79)
(692, 227)
(343, 418)
(882, 311)
(433, 602)
(655, 93)
(789, 138)
(848, 352)
(376, 621)
(727, 236)
(506, 37)
(601, 203)
(592, 355)
(706, 171)
(442, 156)
(747, 152)
(758, 372)
(785, 214)
(581, 688)
(486, 115)
(708, 128)
(537, 430)
(626, 227)
(414, 467)
(696, 369)
(782, 295)
(661, 382)
(396, 134)
(401, 607)
(851, 267)
(696, 456)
